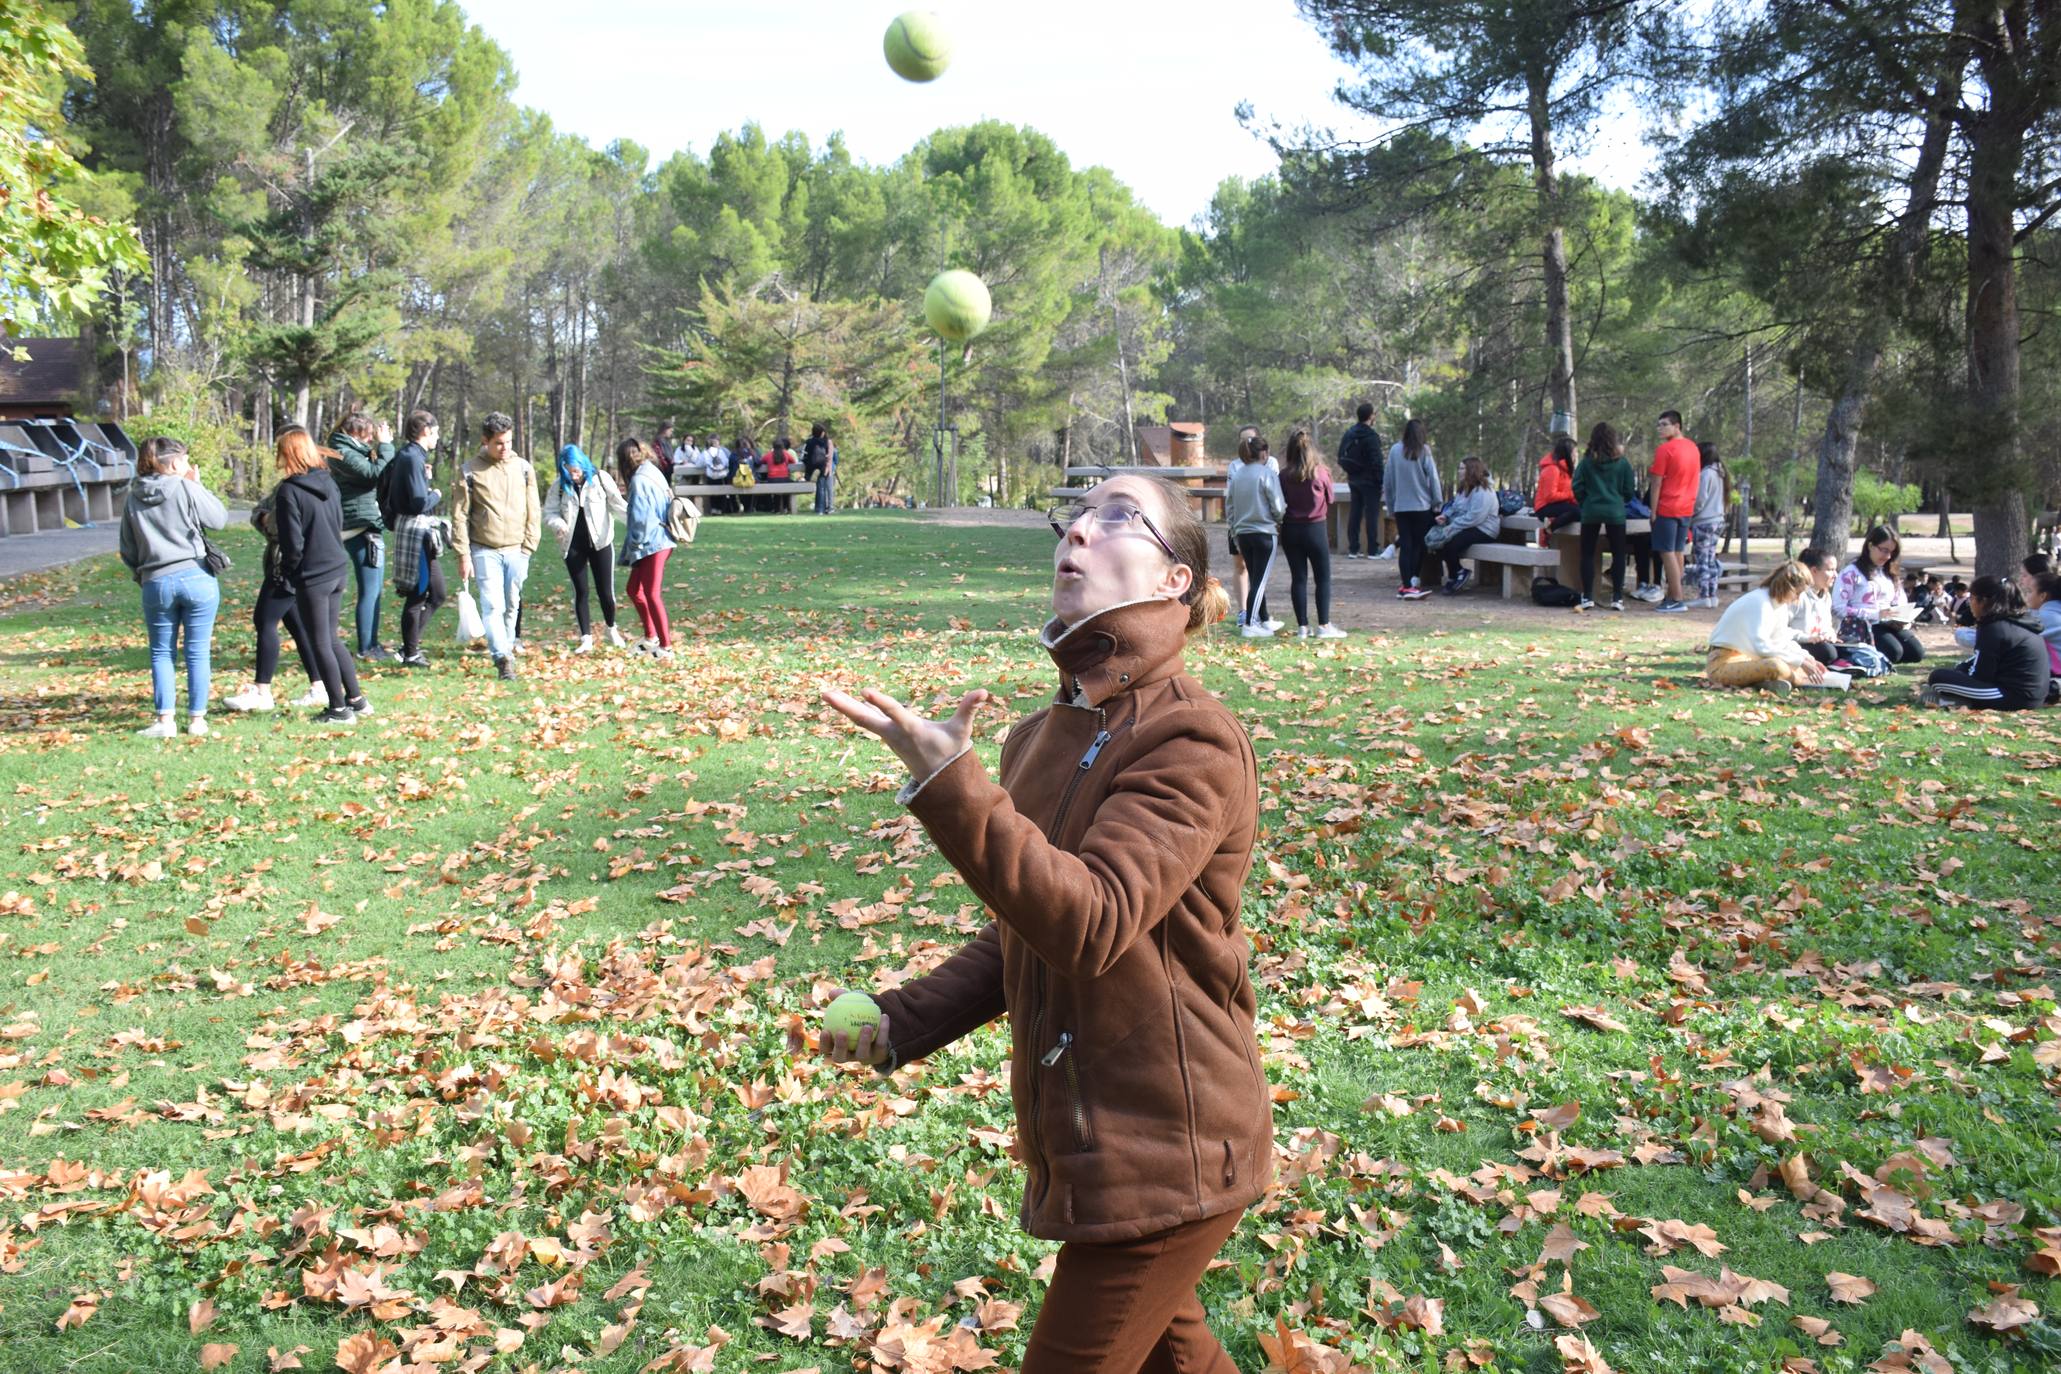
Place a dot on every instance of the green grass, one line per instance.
(508, 956)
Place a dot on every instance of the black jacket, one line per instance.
(2011, 656)
(1360, 452)
(412, 494)
(308, 514)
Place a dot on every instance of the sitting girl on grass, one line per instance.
(1753, 644)
(2010, 670)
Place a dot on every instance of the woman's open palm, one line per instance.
(924, 746)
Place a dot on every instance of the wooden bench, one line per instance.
(709, 491)
(1519, 562)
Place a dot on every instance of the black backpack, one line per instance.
(385, 492)
(1547, 592)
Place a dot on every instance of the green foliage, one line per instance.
(1876, 501)
(55, 258)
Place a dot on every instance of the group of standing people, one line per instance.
(359, 510)
(1277, 507)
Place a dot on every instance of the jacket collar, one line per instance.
(1122, 648)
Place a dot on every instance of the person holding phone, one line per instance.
(1869, 604)
(1113, 851)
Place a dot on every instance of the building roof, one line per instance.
(51, 377)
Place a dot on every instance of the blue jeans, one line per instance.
(181, 602)
(823, 489)
(370, 585)
(501, 573)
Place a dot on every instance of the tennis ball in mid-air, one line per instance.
(957, 305)
(850, 1014)
(917, 46)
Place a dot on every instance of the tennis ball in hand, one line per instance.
(957, 305)
(917, 46)
(849, 1014)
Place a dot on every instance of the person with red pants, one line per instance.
(1112, 849)
(647, 542)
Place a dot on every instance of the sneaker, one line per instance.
(161, 728)
(1353, 554)
(585, 646)
(378, 653)
(1327, 632)
(1704, 603)
(1302, 632)
(1417, 594)
(1272, 625)
(1779, 686)
(255, 699)
(1256, 632)
(1388, 552)
(504, 668)
(336, 715)
(1650, 593)
(1402, 593)
(518, 647)
(1671, 607)
(615, 637)
(316, 696)
(1585, 605)
(1617, 604)
(358, 706)
(663, 655)
(196, 726)
(418, 659)
(1840, 665)
(1466, 575)
(645, 647)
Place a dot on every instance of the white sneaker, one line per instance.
(161, 728)
(1708, 603)
(1388, 552)
(615, 637)
(1650, 594)
(196, 726)
(1257, 632)
(1327, 632)
(254, 699)
(585, 646)
(662, 655)
(1353, 556)
(646, 647)
(316, 696)
(1272, 626)
(1302, 632)
(518, 647)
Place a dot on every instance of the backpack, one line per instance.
(1509, 502)
(744, 476)
(1867, 660)
(1547, 592)
(815, 458)
(386, 494)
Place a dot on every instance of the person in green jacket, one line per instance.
(1603, 482)
(363, 448)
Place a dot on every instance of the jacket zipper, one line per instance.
(1038, 982)
(1081, 1139)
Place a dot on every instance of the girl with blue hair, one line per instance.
(581, 510)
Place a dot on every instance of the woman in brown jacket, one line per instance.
(1111, 856)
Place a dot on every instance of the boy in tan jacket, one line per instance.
(496, 524)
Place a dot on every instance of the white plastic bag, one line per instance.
(471, 629)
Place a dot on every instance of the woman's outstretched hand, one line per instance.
(923, 746)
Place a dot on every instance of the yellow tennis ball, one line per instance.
(957, 305)
(850, 1014)
(918, 46)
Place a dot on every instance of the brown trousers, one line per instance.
(1130, 1307)
(1736, 668)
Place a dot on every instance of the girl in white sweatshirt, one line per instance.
(1753, 644)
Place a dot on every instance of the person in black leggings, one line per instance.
(312, 561)
(581, 510)
(274, 605)
(1306, 488)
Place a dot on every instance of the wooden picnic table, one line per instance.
(713, 490)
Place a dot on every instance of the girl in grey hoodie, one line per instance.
(1253, 506)
(162, 545)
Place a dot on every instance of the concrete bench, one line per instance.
(1519, 562)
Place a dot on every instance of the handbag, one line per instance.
(1437, 536)
(471, 628)
(212, 558)
(1855, 629)
(683, 518)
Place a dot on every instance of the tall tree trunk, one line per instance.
(1832, 507)
(1559, 322)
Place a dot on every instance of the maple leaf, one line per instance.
(1850, 1288)
(200, 1315)
(1818, 1329)
(797, 1323)
(214, 1356)
(1595, 1017)
(2007, 1314)
(364, 1353)
(1561, 1245)
(1577, 1356)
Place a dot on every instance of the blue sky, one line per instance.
(1147, 88)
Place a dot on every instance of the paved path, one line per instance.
(27, 553)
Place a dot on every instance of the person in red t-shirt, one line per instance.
(1677, 468)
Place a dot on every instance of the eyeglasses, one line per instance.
(1111, 517)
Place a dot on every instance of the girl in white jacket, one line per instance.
(1753, 644)
(581, 510)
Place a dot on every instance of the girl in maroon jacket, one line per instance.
(1112, 852)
